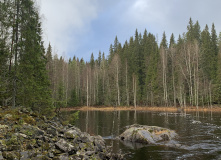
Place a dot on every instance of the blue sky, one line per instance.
(80, 27)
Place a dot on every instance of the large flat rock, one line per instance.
(147, 134)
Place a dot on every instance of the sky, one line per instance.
(81, 27)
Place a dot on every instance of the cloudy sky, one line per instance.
(80, 27)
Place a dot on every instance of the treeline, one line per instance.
(140, 72)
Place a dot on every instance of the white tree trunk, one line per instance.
(87, 91)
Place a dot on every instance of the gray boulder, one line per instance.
(147, 134)
(72, 133)
(64, 146)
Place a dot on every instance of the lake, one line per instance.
(199, 131)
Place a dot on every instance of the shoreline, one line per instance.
(156, 109)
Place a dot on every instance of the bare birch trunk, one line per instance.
(173, 78)
(164, 67)
(87, 91)
(127, 87)
(118, 89)
(67, 86)
(190, 76)
(134, 90)
(210, 94)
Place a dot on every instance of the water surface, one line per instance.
(200, 132)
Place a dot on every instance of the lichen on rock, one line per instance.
(147, 134)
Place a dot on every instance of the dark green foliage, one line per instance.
(206, 54)
(164, 41)
(24, 61)
(73, 102)
(33, 86)
(172, 41)
(60, 100)
(92, 62)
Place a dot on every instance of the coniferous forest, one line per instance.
(139, 72)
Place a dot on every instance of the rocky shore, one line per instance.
(25, 135)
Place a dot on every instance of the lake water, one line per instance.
(200, 132)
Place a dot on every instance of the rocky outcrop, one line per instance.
(147, 134)
(25, 136)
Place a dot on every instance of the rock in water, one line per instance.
(147, 134)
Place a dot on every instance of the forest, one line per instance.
(139, 72)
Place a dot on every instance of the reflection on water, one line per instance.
(199, 131)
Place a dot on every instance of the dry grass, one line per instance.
(157, 109)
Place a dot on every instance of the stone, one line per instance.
(64, 146)
(147, 134)
(29, 147)
(8, 116)
(52, 131)
(90, 153)
(62, 157)
(71, 133)
(1, 157)
(82, 145)
(39, 132)
(3, 126)
(24, 110)
(9, 155)
(39, 142)
(50, 155)
(21, 135)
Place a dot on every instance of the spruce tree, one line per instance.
(196, 31)
(73, 102)
(164, 41)
(206, 56)
(214, 53)
(190, 31)
(33, 83)
(172, 41)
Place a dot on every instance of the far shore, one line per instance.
(157, 109)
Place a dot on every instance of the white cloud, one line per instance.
(79, 27)
(64, 20)
(143, 12)
(172, 16)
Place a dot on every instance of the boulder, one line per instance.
(3, 126)
(64, 146)
(72, 132)
(147, 134)
(8, 116)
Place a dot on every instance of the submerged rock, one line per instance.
(147, 134)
